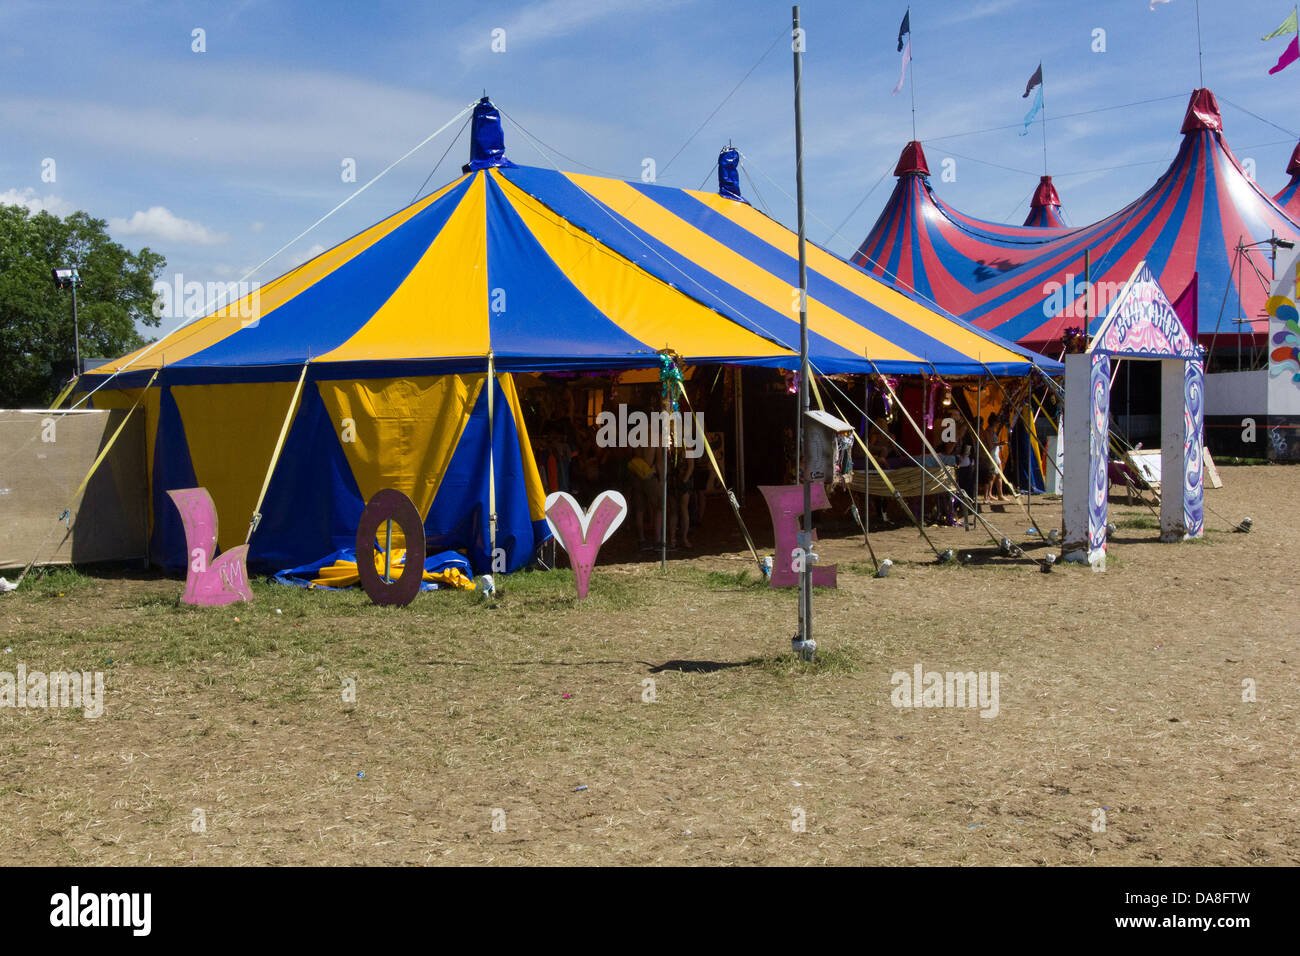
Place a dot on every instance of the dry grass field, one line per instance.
(1120, 692)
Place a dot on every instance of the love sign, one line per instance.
(581, 533)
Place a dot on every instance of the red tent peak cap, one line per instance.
(1202, 113)
(912, 161)
(1045, 194)
(1293, 167)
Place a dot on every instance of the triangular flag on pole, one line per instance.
(1289, 56)
(1288, 26)
(1035, 80)
(905, 28)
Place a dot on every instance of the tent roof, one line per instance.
(553, 271)
(1289, 197)
(1003, 278)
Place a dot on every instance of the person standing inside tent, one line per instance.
(644, 482)
(680, 483)
(964, 452)
(993, 441)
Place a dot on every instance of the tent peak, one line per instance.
(1202, 113)
(729, 174)
(1045, 207)
(487, 145)
(1045, 194)
(912, 161)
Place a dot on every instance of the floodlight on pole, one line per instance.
(65, 276)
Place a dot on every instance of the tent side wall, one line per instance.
(425, 436)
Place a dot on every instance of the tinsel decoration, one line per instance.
(670, 386)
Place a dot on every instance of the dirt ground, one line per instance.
(527, 732)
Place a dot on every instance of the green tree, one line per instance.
(115, 292)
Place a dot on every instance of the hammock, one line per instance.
(909, 480)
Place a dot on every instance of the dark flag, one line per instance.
(1035, 80)
(904, 28)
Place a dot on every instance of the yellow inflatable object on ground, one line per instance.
(343, 574)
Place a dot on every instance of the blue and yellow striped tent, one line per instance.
(542, 271)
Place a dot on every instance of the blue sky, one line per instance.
(218, 158)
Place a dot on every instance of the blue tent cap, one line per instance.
(487, 144)
(729, 174)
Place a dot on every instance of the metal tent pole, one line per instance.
(805, 534)
(866, 466)
(740, 433)
(492, 465)
(663, 527)
(76, 328)
(925, 396)
(979, 423)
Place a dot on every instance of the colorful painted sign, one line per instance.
(1142, 323)
(582, 533)
(1098, 459)
(1193, 449)
(1283, 339)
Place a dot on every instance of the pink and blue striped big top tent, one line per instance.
(1026, 283)
(1289, 197)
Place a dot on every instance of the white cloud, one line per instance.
(978, 11)
(298, 258)
(304, 121)
(54, 205)
(556, 18)
(159, 222)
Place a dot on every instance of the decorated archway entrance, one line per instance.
(1141, 324)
